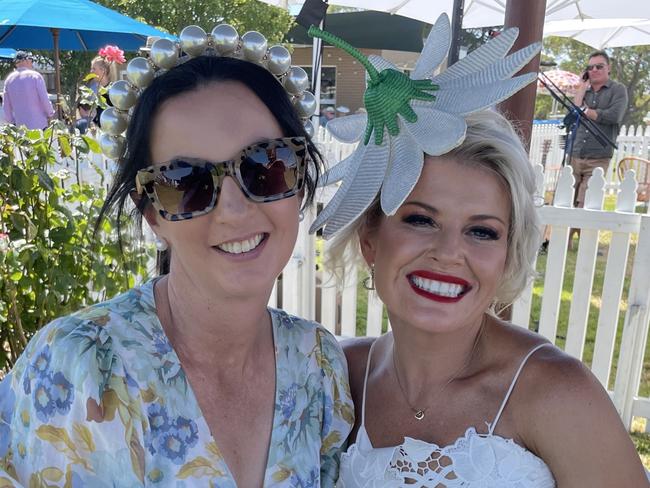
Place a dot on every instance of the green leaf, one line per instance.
(44, 179)
(93, 145)
(64, 144)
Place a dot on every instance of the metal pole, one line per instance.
(529, 18)
(316, 63)
(456, 31)
(57, 70)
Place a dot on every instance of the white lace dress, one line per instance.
(475, 460)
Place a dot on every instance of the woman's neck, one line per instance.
(430, 361)
(208, 331)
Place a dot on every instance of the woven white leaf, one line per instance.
(499, 70)
(338, 171)
(435, 131)
(435, 49)
(348, 129)
(465, 101)
(405, 162)
(484, 56)
(365, 178)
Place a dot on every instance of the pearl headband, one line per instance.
(193, 41)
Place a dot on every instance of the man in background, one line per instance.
(603, 101)
(25, 96)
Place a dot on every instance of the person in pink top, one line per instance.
(25, 97)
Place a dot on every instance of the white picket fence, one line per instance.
(335, 303)
(546, 148)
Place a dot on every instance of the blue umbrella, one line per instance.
(7, 53)
(77, 25)
(82, 26)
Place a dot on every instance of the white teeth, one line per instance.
(241, 246)
(445, 289)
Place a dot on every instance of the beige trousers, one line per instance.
(582, 171)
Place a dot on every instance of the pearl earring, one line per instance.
(161, 244)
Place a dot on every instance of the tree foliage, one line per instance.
(51, 263)
(630, 66)
(173, 15)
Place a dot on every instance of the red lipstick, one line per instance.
(429, 275)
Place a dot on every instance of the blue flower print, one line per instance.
(158, 422)
(7, 403)
(41, 363)
(287, 401)
(53, 393)
(160, 343)
(62, 393)
(43, 400)
(38, 368)
(187, 430)
(172, 446)
(170, 437)
(158, 418)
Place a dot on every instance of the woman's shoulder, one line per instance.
(545, 363)
(549, 381)
(299, 328)
(84, 346)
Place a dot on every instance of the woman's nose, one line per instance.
(447, 246)
(231, 201)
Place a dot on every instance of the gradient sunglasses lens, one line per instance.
(271, 171)
(183, 188)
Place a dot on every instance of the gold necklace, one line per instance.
(419, 413)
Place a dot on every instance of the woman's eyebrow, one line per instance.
(434, 210)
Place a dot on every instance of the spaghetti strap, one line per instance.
(365, 382)
(512, 385)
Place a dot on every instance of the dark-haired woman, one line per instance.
(190, 380)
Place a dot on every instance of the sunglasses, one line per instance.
(184, 188)
(599, 66)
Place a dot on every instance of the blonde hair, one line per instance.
(108, 67)
(491, 143)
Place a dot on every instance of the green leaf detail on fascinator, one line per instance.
(388, 94)
(411, 116)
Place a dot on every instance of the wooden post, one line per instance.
(529, 18)
(57, 70)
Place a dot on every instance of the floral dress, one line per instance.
(100, 399)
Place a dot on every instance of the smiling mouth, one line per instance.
(241, 247)
(439, 288)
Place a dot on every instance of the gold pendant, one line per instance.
(419, 414)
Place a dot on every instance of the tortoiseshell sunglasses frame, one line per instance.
(146, 178)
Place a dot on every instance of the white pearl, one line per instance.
(139, 72)
(122, 95)
(279, 60)
(305, 104)
(112, 146)
(296, 81)
(164, 53)
(193, 40)
(253, 46)
(113, 121)
(225, 38)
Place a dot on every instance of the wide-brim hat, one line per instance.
(23, 56)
